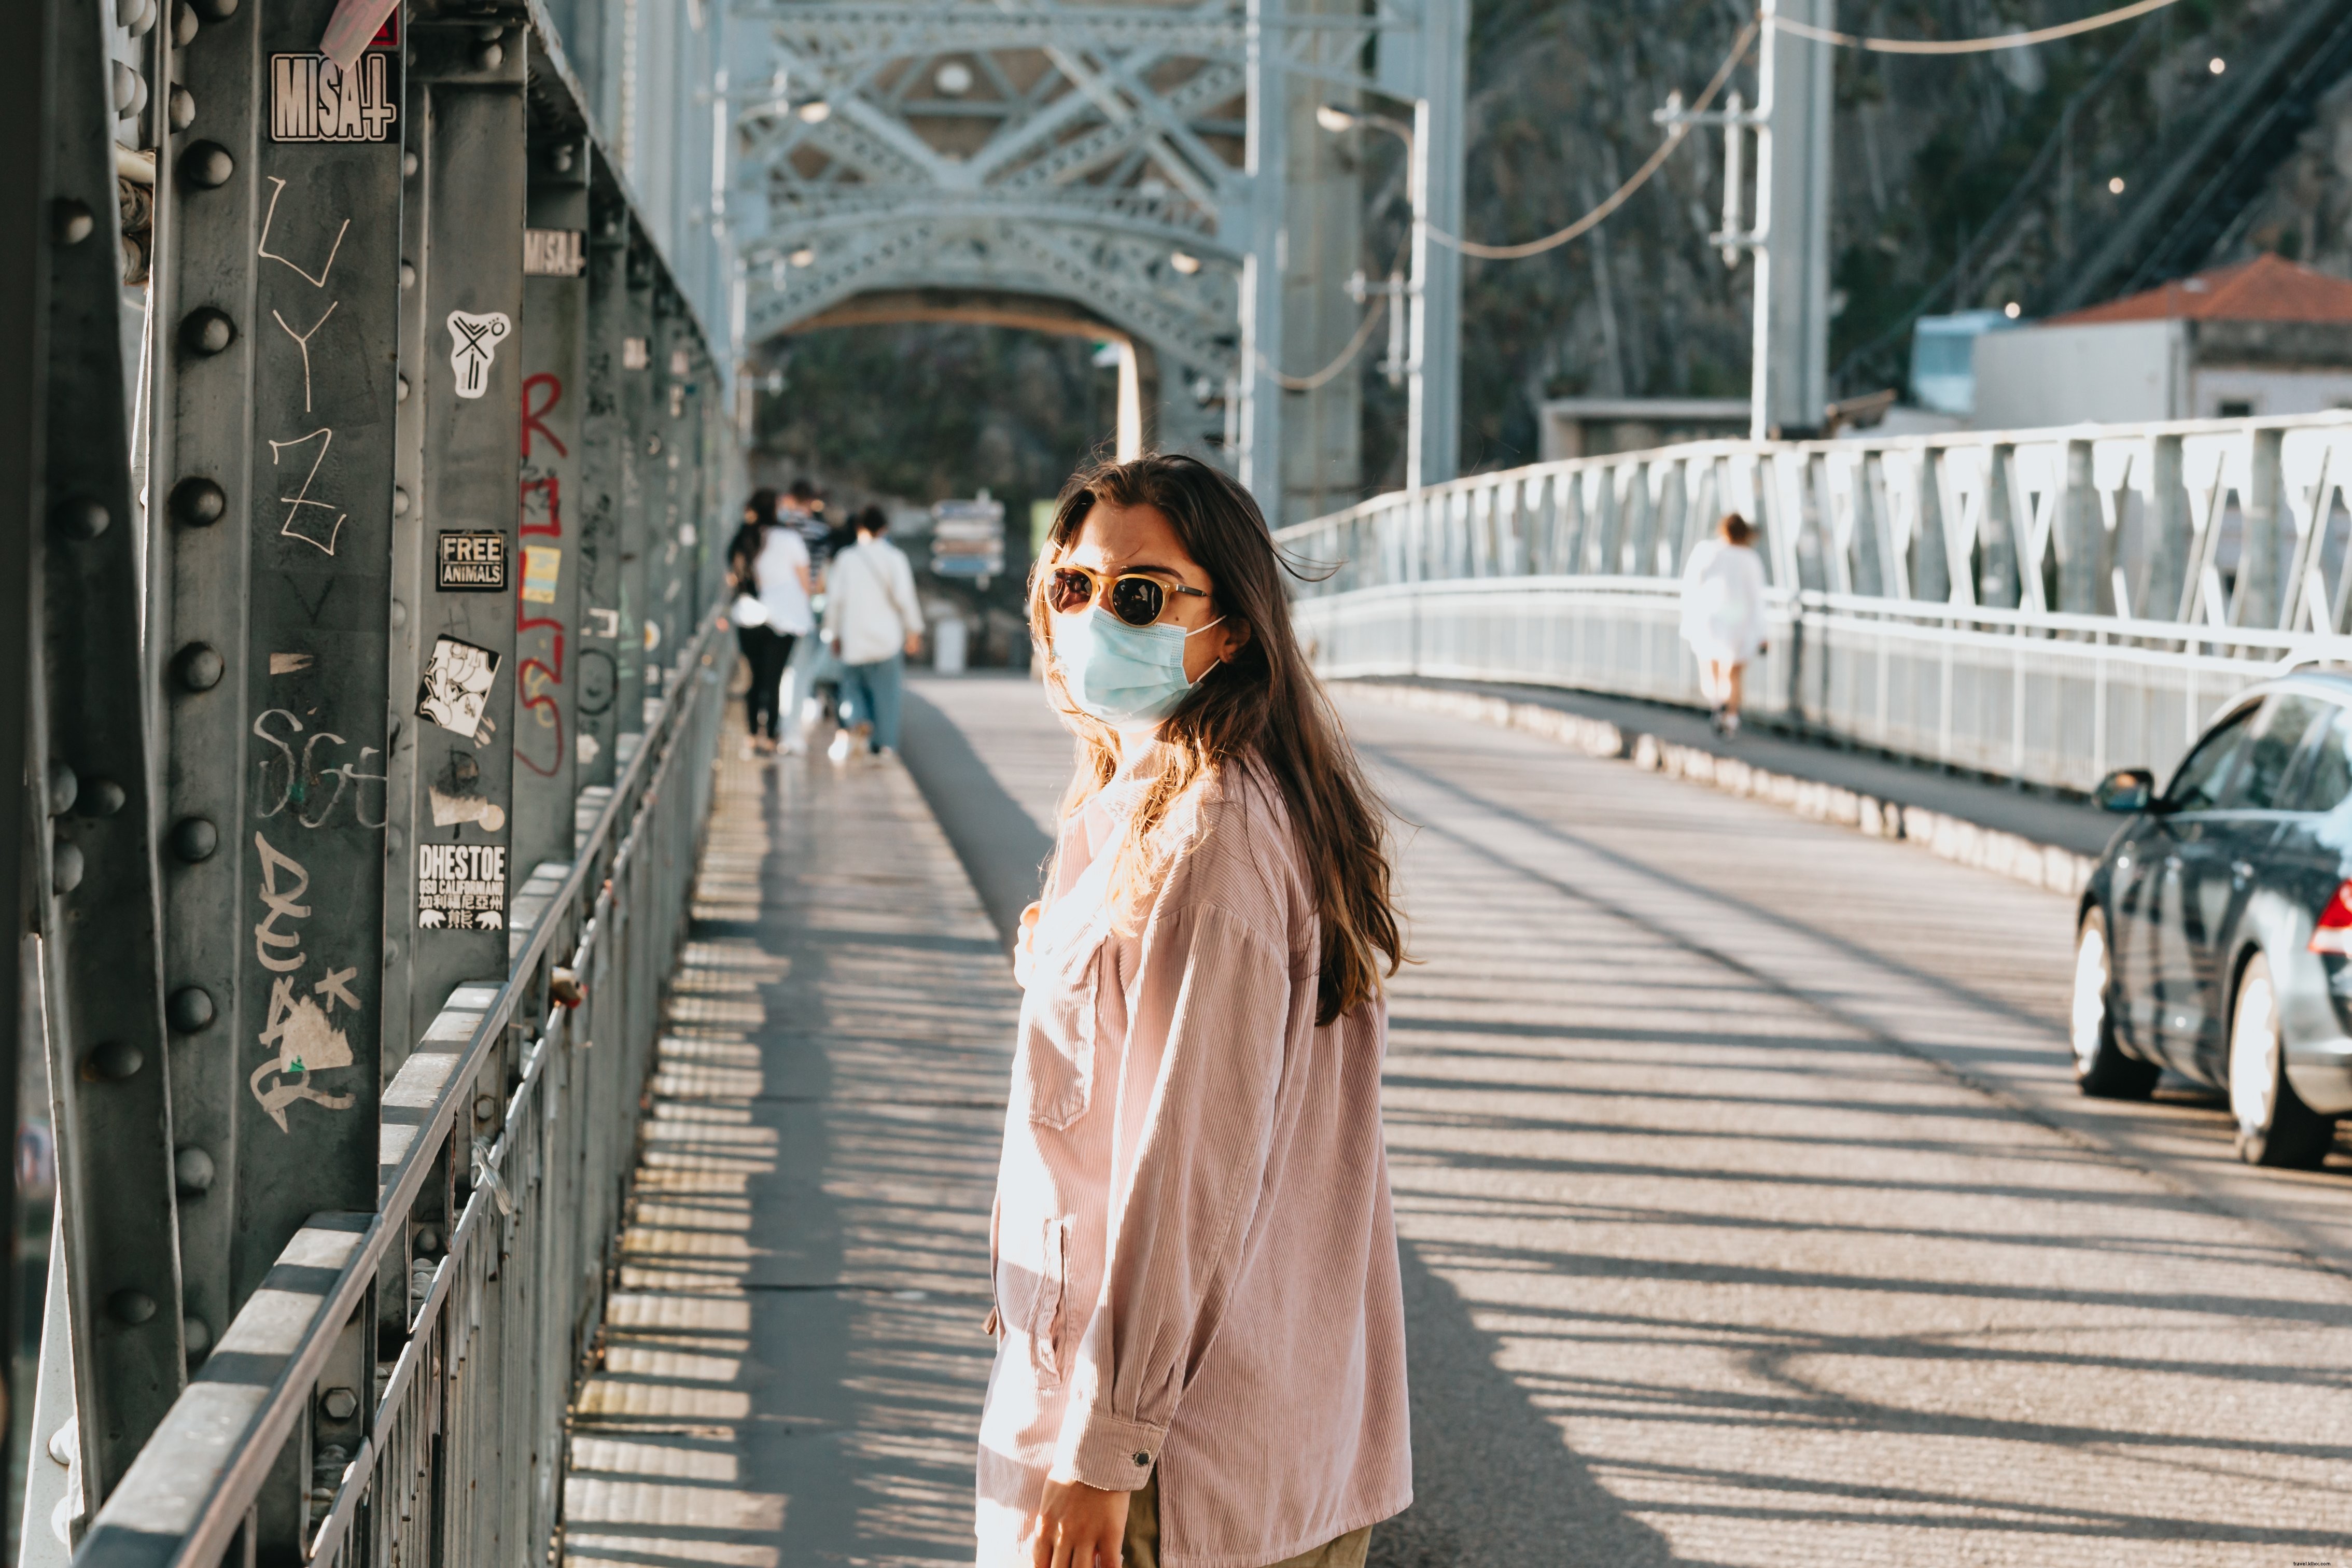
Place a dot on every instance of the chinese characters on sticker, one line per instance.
(461, 886)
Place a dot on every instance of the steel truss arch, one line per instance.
(1121, 157)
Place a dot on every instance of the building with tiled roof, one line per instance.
(2266, 336)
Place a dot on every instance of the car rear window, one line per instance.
(2329, 778)
(2278, 736)
(2198, 784)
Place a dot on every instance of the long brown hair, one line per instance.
(1264, 701)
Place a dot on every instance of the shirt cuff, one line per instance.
(1104, 1451)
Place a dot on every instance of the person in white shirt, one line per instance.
(768, 567)
(872, 621)
(1723, 614)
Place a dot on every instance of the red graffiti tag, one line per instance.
(534, 418)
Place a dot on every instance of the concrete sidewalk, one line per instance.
(795, 1364)
(2042, 817)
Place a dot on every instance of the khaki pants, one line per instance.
(1141, 1546)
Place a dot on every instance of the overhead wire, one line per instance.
(1616, 198)
(1972, 46)
(1675, 136)
(1681, 129)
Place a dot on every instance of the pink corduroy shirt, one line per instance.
(1194, 1257)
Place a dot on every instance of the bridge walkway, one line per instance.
(1749, 1213)
(795, 1362)
(1748, 1216)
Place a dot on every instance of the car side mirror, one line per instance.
(2127, 791)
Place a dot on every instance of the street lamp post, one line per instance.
(1408, 331)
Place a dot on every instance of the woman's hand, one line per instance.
(1022, 954)
(1078, 1526)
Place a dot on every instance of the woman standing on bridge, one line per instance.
(1723, 614)
(1200, 1329)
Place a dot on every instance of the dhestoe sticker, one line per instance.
(461, 886)
(472, 563)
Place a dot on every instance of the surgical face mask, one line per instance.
(1128, 677)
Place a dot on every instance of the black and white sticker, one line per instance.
(457, 687)
(313, 99)
(461, 886)
(471, 561)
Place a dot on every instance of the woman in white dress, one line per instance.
(1723, 614)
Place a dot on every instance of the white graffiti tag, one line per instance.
(300, 1034)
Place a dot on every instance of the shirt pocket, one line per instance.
(1055, 1071)
(1045, 1314)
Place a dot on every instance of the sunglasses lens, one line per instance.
(1069, 591)
(1136, 600)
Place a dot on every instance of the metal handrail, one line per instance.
(201, 1478)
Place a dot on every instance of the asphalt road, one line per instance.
(1748, 1213)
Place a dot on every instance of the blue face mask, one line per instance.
(1128, 677)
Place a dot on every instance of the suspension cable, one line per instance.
(1618, 197)
(1971, 46)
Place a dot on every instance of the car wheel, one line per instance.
(2101, 1069)
(2275, 1126)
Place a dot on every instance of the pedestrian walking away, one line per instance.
(769, 573)
(872, 621)
(1723, 614)
(1200, 1329)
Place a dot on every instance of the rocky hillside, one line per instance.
(1961, 181)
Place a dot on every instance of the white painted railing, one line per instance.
(1962, 599)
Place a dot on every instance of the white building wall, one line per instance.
(2110, 373)
(2221, 389)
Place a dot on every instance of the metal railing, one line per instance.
(1958, 599)
(396, 1390)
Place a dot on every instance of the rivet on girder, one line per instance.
(71, 220)
(132, 1307)
(190, 1009)
(489, 56)
(65, 867)
(65, 788)
(101, 797)
(130, 91)
(407, 276)
(201, 666)
(408, 165)
(183, 109)
(198, 503)
(116, 1060)
(206, 163)
(184, 23)
(135, 16)
(206, 330)
(399, 496)
(80, 518)
(191, 1172)
(198, 1335)
(194, 839)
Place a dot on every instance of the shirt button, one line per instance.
(1142, 1459)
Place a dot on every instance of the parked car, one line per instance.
(2215, 937)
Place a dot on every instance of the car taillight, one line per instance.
(2334, 932)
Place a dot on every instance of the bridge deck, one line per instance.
(795, 1361)
(1748, 1214)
